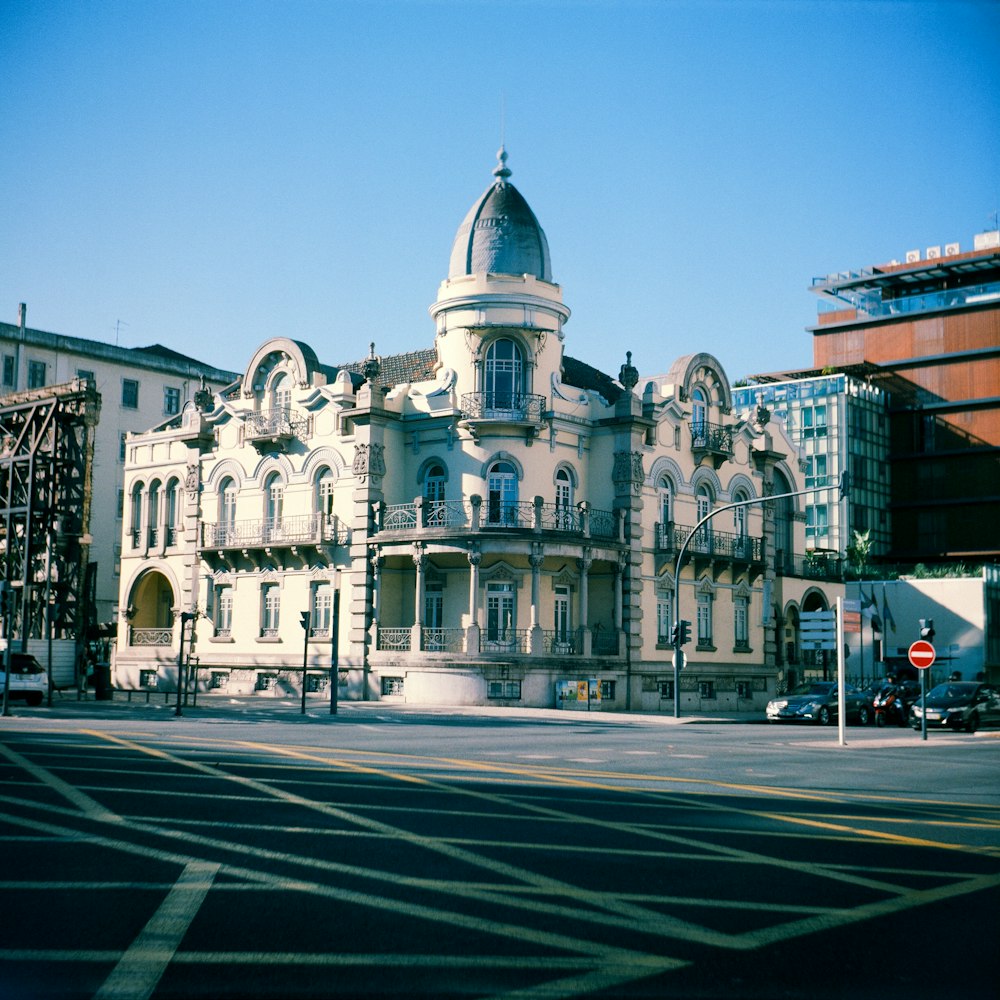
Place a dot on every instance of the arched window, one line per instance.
(227, 506)
(434, 509)
(783, 529)
(665, 490)
(699, 412)
(281, 393)
(740, 524)
(501, 487)
(154, 512)
(565, 514)
(326, 480)
(172, 521)
(503, 375)
(135, 515)
(703, 539)
(274, 502)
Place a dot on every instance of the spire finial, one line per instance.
(372, 367)
(501, 170)
(628, 375)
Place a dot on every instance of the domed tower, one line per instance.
(499, 315)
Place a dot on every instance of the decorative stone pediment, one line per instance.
(501, 572)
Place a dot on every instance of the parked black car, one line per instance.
(959, 705)
(816, 701)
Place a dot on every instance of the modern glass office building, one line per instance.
(840, 423)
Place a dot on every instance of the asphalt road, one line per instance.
(245, 850)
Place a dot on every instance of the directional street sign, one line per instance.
(921, 654)
(818, 629)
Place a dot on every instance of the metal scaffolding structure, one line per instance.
(46, 462)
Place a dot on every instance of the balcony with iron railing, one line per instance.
(503, 407)
(491, 641)
(821, 566)
(715, 440)
(506, 640)
(303, 529)
(710, 543)
(275, 428)
(476, 515)
(562, 642)
(443, 640)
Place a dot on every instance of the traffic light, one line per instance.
(673, 636)
(927, 628)
(685, 634)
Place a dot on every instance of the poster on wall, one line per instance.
(578, 695)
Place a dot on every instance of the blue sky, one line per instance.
(209, 175)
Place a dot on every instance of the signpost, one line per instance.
(852, 616)
(922, 654)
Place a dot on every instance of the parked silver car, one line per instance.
(816, 701)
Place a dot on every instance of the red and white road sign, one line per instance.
(921, 654)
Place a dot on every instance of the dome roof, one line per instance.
(500, 234)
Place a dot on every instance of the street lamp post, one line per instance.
(676, 631)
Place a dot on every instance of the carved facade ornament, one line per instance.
(627, 473)
(369, 460)
(474, 344)
(191, 480)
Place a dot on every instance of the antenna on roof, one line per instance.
(503, 118)
(118, 325)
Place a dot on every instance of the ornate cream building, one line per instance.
(496, 522)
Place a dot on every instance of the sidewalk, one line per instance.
(69, 703)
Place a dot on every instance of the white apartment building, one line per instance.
(496, 521)
(139, 387)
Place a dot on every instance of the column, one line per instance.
(472, 635)
(420, 562)
(376, 576)
(536, 639)
(586, 635)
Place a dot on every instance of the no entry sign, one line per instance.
(922, 654)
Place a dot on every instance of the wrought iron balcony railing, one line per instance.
(716, 438)
(505, 640)
(513, 407)
(706, 542)
(819, 567)
(443, 640)
(558, 642)
(312, 528)
(489, 515)
(275, 425)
